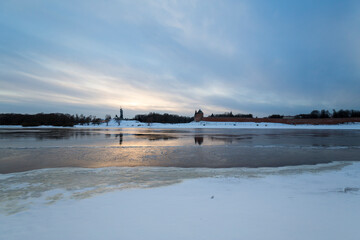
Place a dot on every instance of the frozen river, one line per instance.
(28, 149)
(132, 183)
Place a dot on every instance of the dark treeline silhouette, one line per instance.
(162, 118)
(49, 119)
(276, 116)
(345, 113)
(230, 114)
(326, 114)
(315, 114)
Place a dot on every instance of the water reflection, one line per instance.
(198, 139)
(46, 134)
(229, 139)
(161, 137)
(120, 136)
(217, 148)
(155, 137)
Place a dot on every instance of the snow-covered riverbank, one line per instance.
(238, 125)
(304, 202)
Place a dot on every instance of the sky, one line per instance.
(246, 56)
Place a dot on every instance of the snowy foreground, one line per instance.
(303, 202)
(136, 124)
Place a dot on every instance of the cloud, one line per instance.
(60, 82)
(192, 27)
(176, 56)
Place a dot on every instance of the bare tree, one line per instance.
(107, 119)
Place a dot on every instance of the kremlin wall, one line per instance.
(199, 116)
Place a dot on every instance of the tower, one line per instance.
(198, 115)
(121, 114)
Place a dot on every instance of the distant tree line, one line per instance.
(345, 113)
(49, 119)
(324, 114)
(230, 114)
(276, 116)
(162, 118)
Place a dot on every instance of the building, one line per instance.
(199, 115)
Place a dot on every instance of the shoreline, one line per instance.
(205, 124)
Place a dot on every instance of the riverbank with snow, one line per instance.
(237, 125)
(303, 202)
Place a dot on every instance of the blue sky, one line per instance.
(248, 56)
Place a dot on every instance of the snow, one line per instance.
(239, 125)
(136, 124)
(303, 202)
